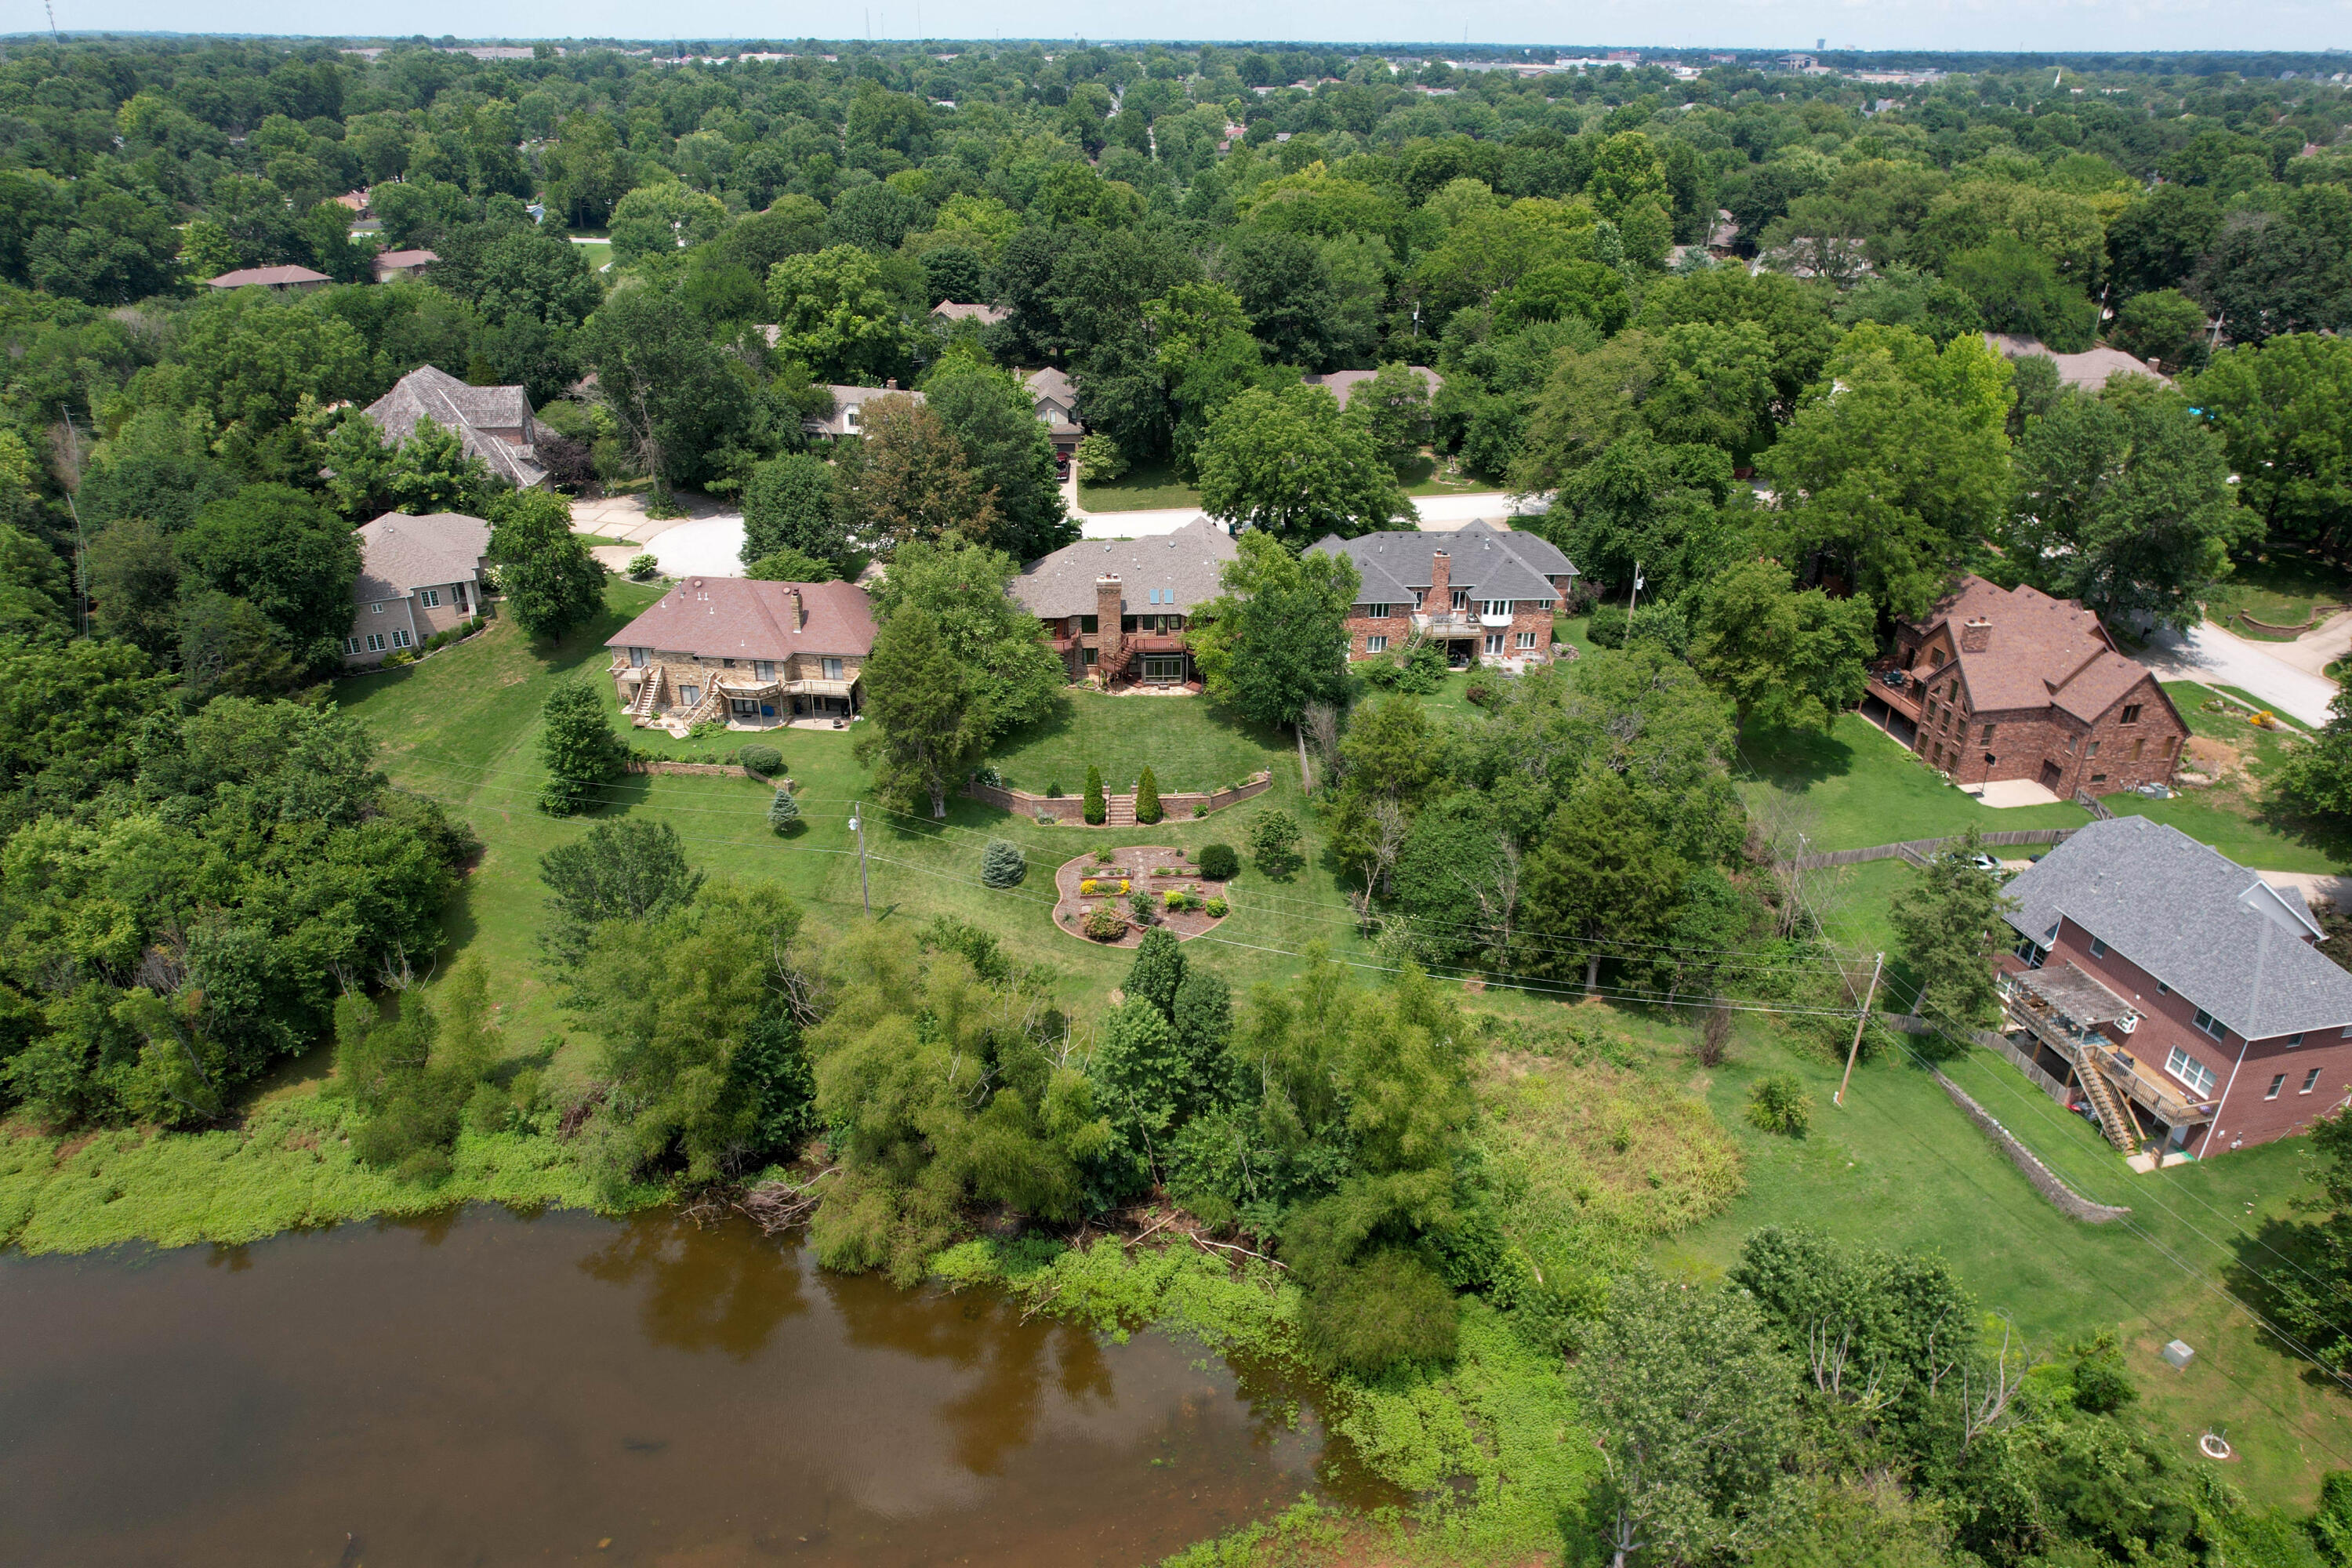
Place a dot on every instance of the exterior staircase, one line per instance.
(648, 696)
(2115, 1117)
(1120, 811)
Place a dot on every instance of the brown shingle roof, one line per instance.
(734, 617)
(951, 310)
(431, 392)
(267, 277)
(1341, 382)
(400, 553)
(2042, 652)
(2090, 370)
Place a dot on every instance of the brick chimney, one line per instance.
(1441, 583)
(1110, 645)
(800, 614)
(891, 384)
(1976, 635)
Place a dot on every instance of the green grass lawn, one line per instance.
(1188, 743)
(1859, 786)
(1427, 476)
(2281, 587)
(1900, 1168)
(1143, 487)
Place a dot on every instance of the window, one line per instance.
(745, 707)
(832, 668)
(429, 597)
(637, 657)
(726, 664)
(2099, 778)
(1524, 640)
(2131, 713)
(2090, 751)
(2190, 1071)
(2211, 1026)
(2070, 745)
(458, 591)
(350, 645)
(1461, 598)
(1494, 607)
(375, 610)
(2294, 1039)
(400, 639)
(1376, 612)
(1417, 597)
(1494, 642)
(763, 668)
(1985, 739)
(2310, 1081)
(850, 418)
(2139, 749)
(1935, 659)
(2162, 989)
(375, 642)
(1090, 656)
(1376, 645)
(2098, 948)
(2276, 1084)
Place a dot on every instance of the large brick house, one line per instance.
(418, 575)
(752, 655)
(2008, 683)
(492, 423)
(1485, 594)
(1117, 610)
(2178, 994)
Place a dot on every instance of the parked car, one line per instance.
(1984, 862)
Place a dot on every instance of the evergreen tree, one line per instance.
(783, 811)
(1158, 971)
(1097, 808)
(578, 746)
(1947, 926)
(1002, 864)
(924, 732)
(1147, 798)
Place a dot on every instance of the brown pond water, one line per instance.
(485, 1389)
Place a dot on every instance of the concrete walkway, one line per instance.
(2207, 653)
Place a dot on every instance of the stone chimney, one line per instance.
(891, 384)
(1110, 645)
(800, 612)
(1976, 635)
(1441, 583)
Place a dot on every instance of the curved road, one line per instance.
(2218, 658)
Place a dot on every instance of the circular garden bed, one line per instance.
(1095, 896)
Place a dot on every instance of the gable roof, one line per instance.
(1341, 382)
(400, 553)
(1184, 565)
(431, 392)
(986, 315)
(397, 260)
(267, 277)
(1054, 384)
(845, 398)
(2196, 920)
(735, 618)
(2091, 370)
(2043, 652)
(1488, 562)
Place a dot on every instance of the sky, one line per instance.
(2028, 24)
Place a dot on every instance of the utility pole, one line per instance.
(1860, 1021)
(1632, 597)
(857, 825)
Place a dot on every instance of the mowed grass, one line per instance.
(1144, 488)
(1901, 1167)
(2280, 587)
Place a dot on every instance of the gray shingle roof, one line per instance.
(2200, 922)
(399, 554)
(1490, 563)
(1342, 383)
(849, 399)
(1184, 565)
(473, 412)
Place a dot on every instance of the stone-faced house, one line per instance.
(1117, 610)
(2180, 995)
(2008, 683)
(492, 423)
(1055, 398)
(753, 655)
(418, 575)
(1485, 594)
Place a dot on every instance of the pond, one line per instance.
(486, 1388)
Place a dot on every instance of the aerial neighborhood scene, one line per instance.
(1041, 800)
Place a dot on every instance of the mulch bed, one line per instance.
(1134, 865)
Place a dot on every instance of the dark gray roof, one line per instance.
(2198, 921)
(1491, 562)
(473, 412)
(399, 554)
(1183, 565)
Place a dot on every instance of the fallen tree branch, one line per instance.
(1229, 1247)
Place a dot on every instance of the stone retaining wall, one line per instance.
(723, 770)
(2062, 1198)
(1175, 806)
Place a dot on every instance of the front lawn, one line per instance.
(1427, 476)
(1144, 488)
(2280, 588)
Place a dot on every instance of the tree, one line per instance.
(1638, 503)
(2315, 1303)
(2020, 291)
(1287, 463)
(1275, 640)
(783, 811)
(523, 273)
(833, 314)
(663, 219)
(228, 647)
(1794, 659)
(549, 580)
(578, 748)
(1002, 864)
(1285, 287)
(1393, 407)
(134, 586)
(1273, 843)
(2165, 325)
(1948, 928)
(1697, 1417)
(924, 731)
(1009, 451)
(1013, 676)
(788, 505)
(289, 557)
(1147, 798)
(906, 479)
(1602, 878)
(34, 590)
(2283, 409)
(250, 361)
(631, 870)
(678, 399)
(787, 566)
(2126, 502)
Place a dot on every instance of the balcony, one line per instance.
(1155, 642)
(1454, 623)
(2077, 1016)
(1897, 690)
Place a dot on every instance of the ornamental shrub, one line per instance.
(1002, 864)
(1097, 809)
(643, 566)
(1147, 798)
(1606, 628)
(765, 761)
(1779, 1103)
(1218, 862)
(1139, 907)
(1104, 923)
(783, 811)
(1274, 843)
(1217, 908)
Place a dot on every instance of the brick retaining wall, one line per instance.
(1175, 806)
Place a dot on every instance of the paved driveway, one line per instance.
(2207, 653)
(1439, 514)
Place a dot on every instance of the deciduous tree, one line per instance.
(1288, 463)
(924, 728)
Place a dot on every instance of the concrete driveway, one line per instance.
(706, 541)
(2207, 653)
(1439, 514)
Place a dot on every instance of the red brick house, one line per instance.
(2178, 994)
(1485, 594)
(2008, 683)
(1117, 610)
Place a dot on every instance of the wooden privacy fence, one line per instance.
(1920, 849)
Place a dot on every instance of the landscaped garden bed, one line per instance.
(1097, 896)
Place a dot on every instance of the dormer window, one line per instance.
(850, 418)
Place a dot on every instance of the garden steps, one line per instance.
(2114, 1121)
(1121, 811)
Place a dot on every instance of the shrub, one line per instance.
(1045, 819)
(783, 811)
(1218, 862)
(1054, 790)
(1147, 798)
(1104, 923)
(1217, 908)
(398, 658)
(1779, 1103)
(1105, 856)
(642, 566)
(1419, 669)
(1274, 843)
(1387, 1309)
(1606, 628)
(1176, 898)
(1480, 695)
(1199, 809)
(765, 761)
(1102, 886)
(1139, 905)
(1097, 809)
(703, 728)
(1002, 864)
